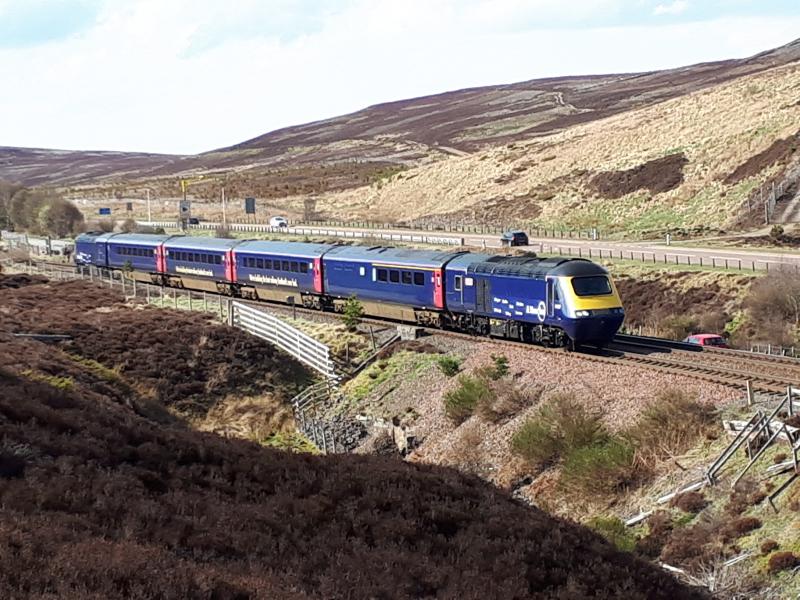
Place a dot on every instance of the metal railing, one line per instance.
(279, 333)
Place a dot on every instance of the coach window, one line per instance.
(304, 267)
(457, 283)
(259, 263)
(268, 263)
(217, 259)
(394, 276)
(285, 265)
(295, 267)
(381, 274)
(406, 277)
(419, 278)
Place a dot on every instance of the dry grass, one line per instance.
(717, 129)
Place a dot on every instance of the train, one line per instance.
(551, 301)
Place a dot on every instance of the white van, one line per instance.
(278, 222)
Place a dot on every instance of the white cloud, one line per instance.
(141, 80)
(673, 8)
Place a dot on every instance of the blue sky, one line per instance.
(187, 76)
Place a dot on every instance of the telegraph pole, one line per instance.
(224, 219)
(149, 214)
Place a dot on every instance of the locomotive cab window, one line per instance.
(457, 283)
(596, 285)
(382, 275)
(419, 278)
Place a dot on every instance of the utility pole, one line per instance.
(149, 215)
(224, 219)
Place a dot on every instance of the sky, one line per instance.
(188, 76)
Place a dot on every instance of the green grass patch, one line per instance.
(95, 367)
(64, 384)
(403, 364)
(615, 531)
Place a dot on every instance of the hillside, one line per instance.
(101, 500)
(689, 162)
(406, 133)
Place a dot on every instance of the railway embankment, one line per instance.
(106, 490)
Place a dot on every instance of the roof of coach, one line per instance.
(535, 266)
(391, 255)
(141, 239)
(189, 242)
(302, 249)
(465, 260)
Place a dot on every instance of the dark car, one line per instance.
(514, 238)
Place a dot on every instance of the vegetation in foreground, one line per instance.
(177, 513)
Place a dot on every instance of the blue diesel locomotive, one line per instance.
(551, 301)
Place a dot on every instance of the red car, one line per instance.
(707, 339)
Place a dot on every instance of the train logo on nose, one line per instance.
(541, 310)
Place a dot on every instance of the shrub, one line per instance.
(690, 502)
(449, 365)
(768, 546)
(677, 327)
(776, 233)
(781, 561)
(536, 442)
(499, 367)
(615, 531)
(739, 527)
(670, 426)
(562, 425)
(460, 403)
(746, 494)
(694, 546)
(506, 400)
(576, 426)
(603, 468)
(352, 313)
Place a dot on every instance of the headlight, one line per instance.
(581, 313)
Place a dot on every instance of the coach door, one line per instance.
(551, 292)
(483, 295)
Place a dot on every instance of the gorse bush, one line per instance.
(449, 365)
(460, 403)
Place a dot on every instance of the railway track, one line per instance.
(731, 368)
